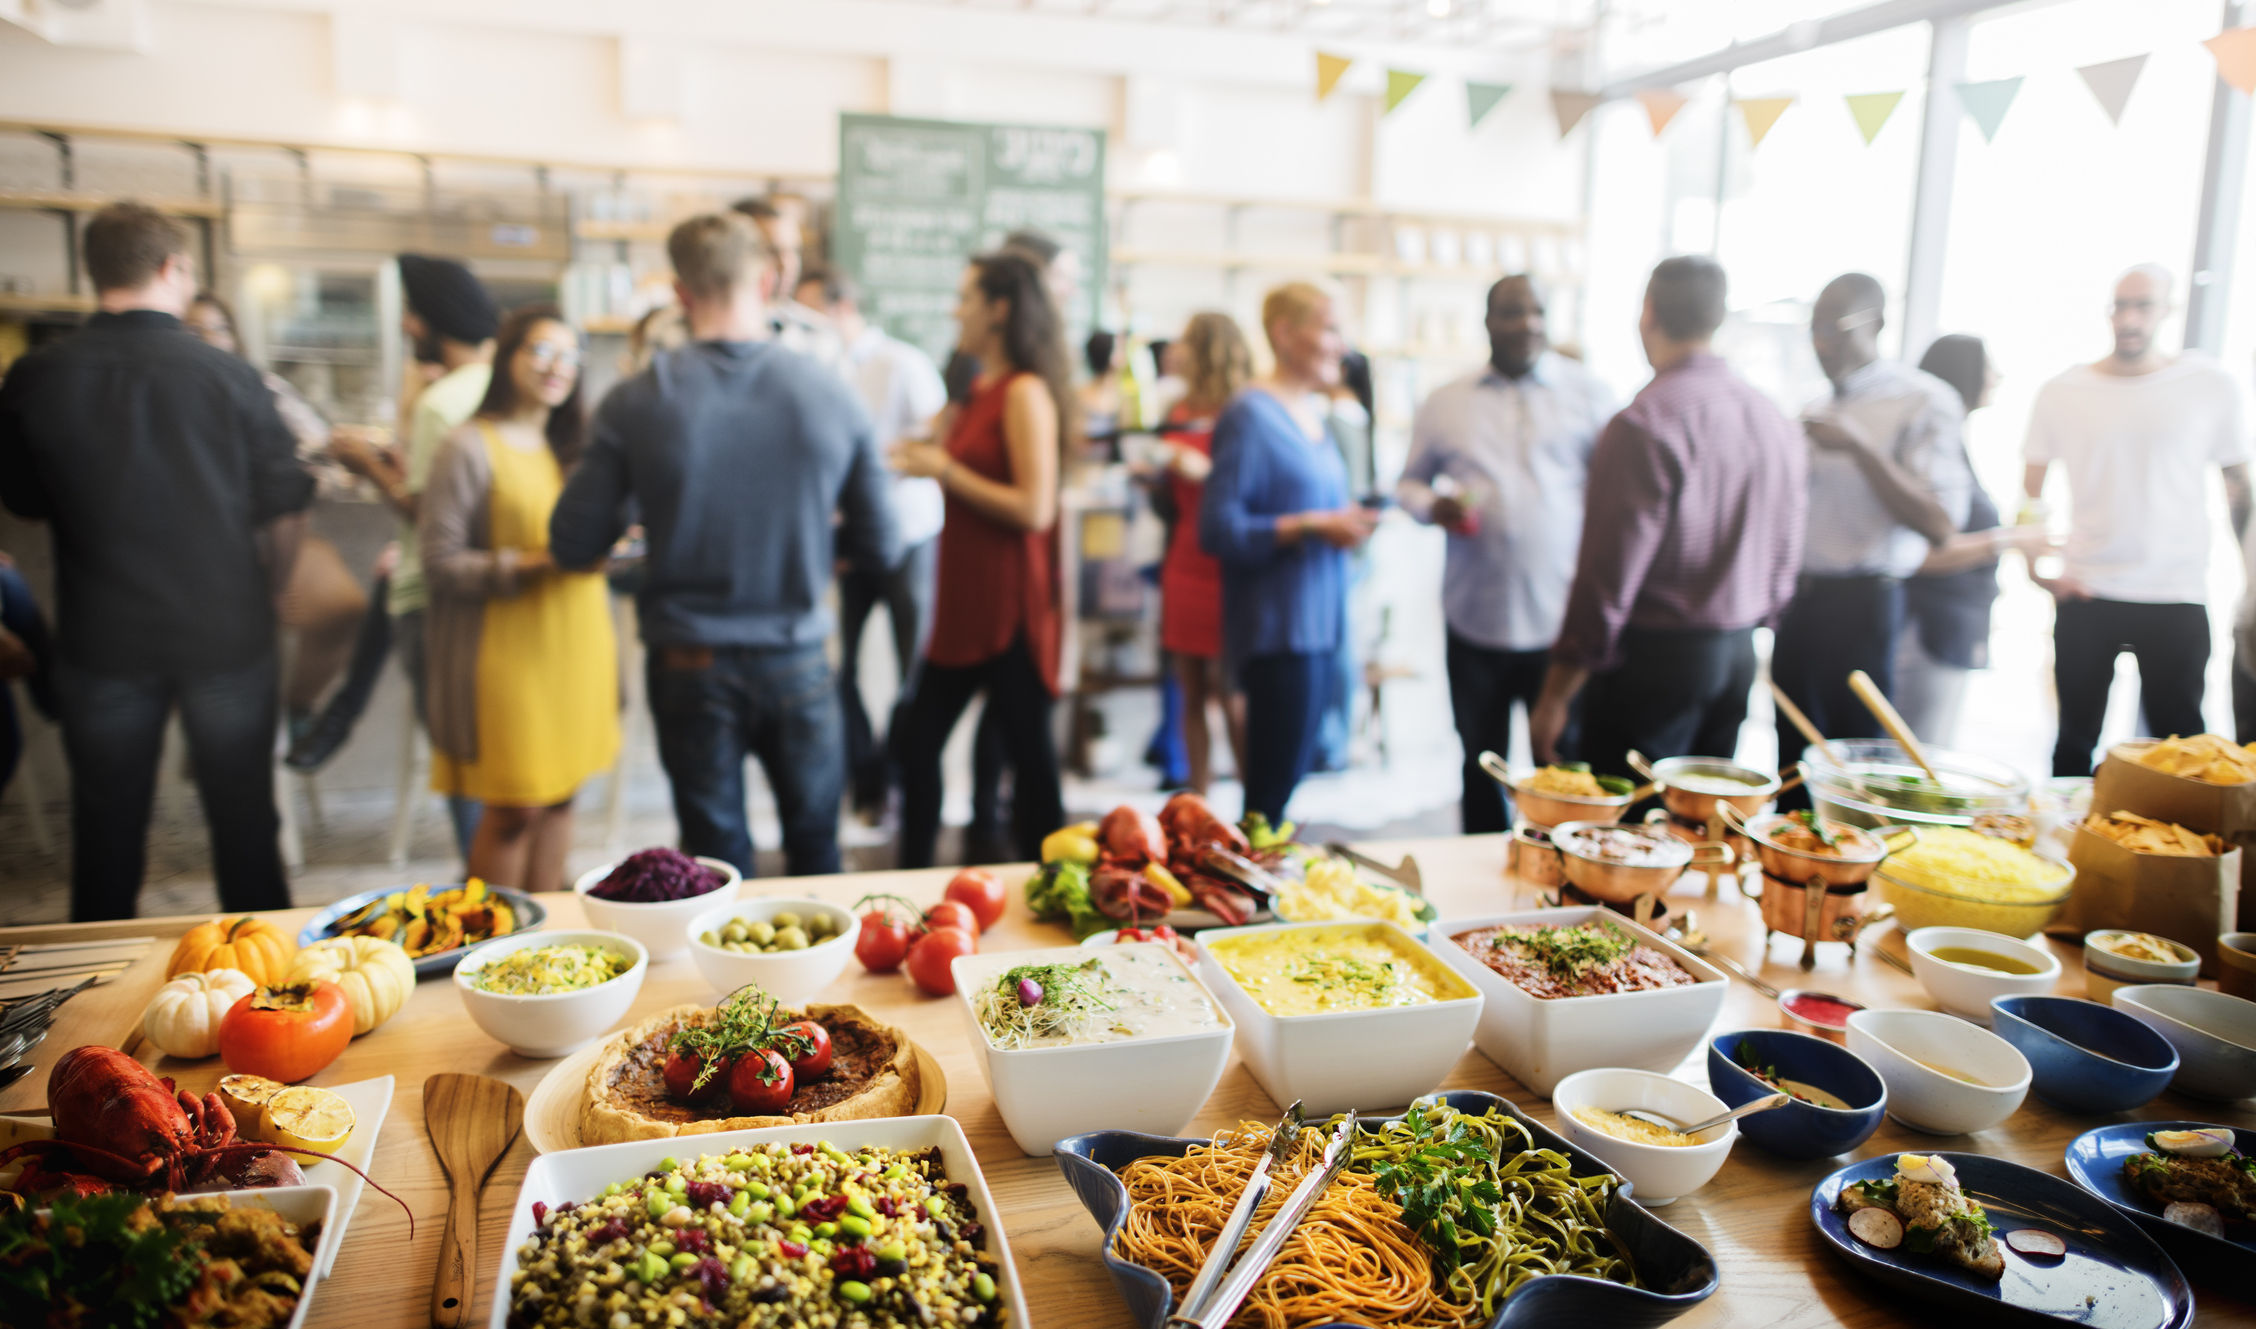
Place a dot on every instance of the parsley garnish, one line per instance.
(1568, 952)
(104, 1271)
(1443, 1189)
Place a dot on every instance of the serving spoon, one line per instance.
(1763, 1104)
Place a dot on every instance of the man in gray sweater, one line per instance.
(735, 452)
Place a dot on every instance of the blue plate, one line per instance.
(530, 915)
(2095, 1160)
(2113, 1276)
(1678, 1271)
(2084, 1057)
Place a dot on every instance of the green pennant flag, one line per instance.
(1481, 98)
(1987, 103)
(1400, 84)
(1872, 110)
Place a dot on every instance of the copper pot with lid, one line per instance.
(1692, 787)
(1619, 862)
(1851, 862)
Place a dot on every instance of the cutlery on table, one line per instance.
(1404, 874)
(471, 1120)
(1248, 1270)
(1225, 1246)
(1763, 1104)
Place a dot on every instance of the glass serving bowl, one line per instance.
(1931, 906)
(1877, 783)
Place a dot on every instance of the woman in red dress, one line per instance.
(995, 622)
(1213, 359)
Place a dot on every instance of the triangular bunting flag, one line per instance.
(2236, 57)
(1570, 107)
(2112, 83)
(1329, 69)
(1481, 98)
(1987, 103)
(1872, 110)
(1400, 84)
(1761, 113)
(1661, 106)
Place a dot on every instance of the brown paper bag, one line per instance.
(2229, 810)
(2188, 900)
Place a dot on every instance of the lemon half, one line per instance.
(303, 1117)
(245, 1097)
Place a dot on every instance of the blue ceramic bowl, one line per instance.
(2084, 1057)
(1798, 1130)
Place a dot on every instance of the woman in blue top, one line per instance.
(1276, 514)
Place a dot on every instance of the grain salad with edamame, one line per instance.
(772, 1235)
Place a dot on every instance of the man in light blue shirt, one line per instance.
(1498, 459)
(1888, 481)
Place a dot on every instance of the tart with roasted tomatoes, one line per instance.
(745, 1063)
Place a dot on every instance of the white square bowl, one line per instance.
(581, 1174)
(1153, 1085)
(1335, 1060)
(1541, 1041)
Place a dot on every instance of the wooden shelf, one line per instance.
(50, 200)
(1334, 265)
(46, 304)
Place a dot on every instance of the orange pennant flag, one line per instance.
(1661, 106)
(1329, 70)
(1761, 113)
(2236, 57)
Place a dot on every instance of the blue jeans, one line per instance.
(19, 615)
(113, 731)
(906, 591)
(713, 707)
(1285, 697)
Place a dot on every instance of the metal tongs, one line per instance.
(1239, 870)
(1256, 1190)
(1215, 1311)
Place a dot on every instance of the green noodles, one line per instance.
(1495, 1210)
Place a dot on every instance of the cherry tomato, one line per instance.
(980, 891)
(681, 1077)
(814, 1063)
(882, 943)
(761, 1082)
(929, 958)
(286, 1032)
(952, 914)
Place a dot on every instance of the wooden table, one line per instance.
(1753, 1216)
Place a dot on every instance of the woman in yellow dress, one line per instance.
(524, 683)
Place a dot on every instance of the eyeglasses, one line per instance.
(548, 356)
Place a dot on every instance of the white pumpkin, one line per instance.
(183, 1018)
(376, 975)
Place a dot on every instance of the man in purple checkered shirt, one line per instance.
(1691, 538)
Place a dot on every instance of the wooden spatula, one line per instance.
(471, 1120)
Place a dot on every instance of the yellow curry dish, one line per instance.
(1329, 970)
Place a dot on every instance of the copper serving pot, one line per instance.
(1530, 856)
(1698, 806)
(1538, 808)
(1796, 866)
(1622, 883)
(1834, 915)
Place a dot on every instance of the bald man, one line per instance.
(1888, 481)
(2137, 433)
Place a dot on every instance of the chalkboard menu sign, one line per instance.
(918, 197)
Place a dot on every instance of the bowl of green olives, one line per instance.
(793, 948)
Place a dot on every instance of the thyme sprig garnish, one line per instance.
(741, 1025)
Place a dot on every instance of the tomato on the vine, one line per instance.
(952, 914)
(814, 1062)
(681, 1072)
(761, 1082)
(929, 959)
(980, 891)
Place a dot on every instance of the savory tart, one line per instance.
(867, 1070)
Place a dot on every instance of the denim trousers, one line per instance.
(1285, 698)
(715, 706)
(906, 590)
(1484, 685)
(113, 733)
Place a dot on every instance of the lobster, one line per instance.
(120, 1126)
(1192, 827)
(1131, 838)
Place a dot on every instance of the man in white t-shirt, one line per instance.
(902, 390)
(2137, 433)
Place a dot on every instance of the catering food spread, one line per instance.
(1581, 960)
(773, 1235)
(1932, 1215)
(694, 1070)
(125, 1259)
(1116, 994)
(540, 971)
(1336, 967)
(2196, 1178)
(1636, 1130)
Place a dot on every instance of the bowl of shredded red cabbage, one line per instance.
(657, 876)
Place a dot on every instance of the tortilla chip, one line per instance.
(2209, 758)
(2145, 835)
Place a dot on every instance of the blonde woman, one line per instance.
(1214, 362)
(1276, 513)
(524, 683)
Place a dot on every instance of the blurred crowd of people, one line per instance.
(774, 451)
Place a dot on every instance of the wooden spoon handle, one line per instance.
(1876, 701)
(451, 1294)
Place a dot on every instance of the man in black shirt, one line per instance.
(176, 501)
